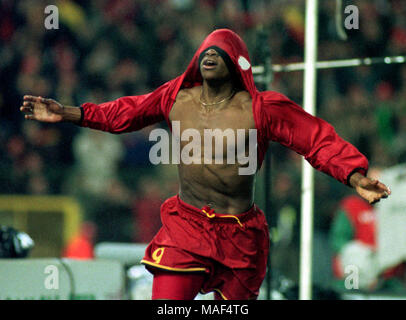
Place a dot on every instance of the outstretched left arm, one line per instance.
(285, 122)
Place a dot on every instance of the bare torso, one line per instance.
(219, 186)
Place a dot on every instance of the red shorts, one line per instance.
(231, 249)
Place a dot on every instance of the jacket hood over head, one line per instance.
(236, 49)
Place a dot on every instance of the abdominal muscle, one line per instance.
(217, 186)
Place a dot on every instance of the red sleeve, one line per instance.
(285, 122)
(127, 113)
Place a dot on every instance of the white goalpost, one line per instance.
(307, 199)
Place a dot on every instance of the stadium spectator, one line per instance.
(354, 242)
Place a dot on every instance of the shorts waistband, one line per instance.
(206, 211)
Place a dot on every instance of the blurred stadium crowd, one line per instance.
(105, 49)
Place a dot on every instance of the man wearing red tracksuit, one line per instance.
(214, 237)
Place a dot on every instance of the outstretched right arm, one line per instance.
(122, 115)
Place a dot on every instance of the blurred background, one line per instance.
(106, 49)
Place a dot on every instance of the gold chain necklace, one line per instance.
(214, 103)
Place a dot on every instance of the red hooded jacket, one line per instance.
(276, 117)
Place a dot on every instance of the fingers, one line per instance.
(45, 100)
(373, 183)
(29, 117)
(28, 106)
(376, 185)
(26, 110)
(29, 98)
(366, 182)
(384, 188)
(33, 99)
(378, 197)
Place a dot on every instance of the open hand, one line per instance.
(42, 109)
(370, 189)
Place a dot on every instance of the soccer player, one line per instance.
(214, 237)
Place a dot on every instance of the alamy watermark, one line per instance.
(352, 20)
(351, 281)
(192, 147)
(52, 17)
(51, 281)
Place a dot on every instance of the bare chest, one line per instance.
(192, 115)
(216, 135)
